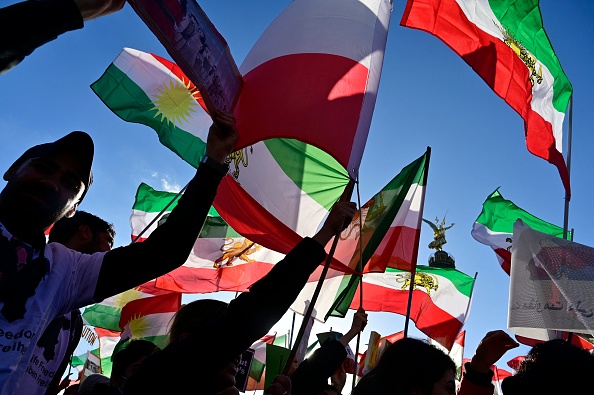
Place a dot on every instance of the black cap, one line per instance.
(77, 145)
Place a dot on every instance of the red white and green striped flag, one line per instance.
(495, 226)
(277, 191)
(107, 313)
(505, 43)
(221, 259)
(150, 318)
(440, 303)
(107, 342)
(390, 238)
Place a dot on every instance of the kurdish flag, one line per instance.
(107, 313)
(314, 74)
(390, 238)
(277, 191)
(221, 259)
(107, 342)
(440, 303)
(495, 226)
(150, 318)
(505, 43)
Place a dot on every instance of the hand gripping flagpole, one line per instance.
(346, 195)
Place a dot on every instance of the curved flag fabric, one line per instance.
(313, 76)
(278, 190)
(505, 43)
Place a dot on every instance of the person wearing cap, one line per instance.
(39, 281)
(28, 25)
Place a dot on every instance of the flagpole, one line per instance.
(568, 197)
(160, 214)
(360, 272)
(569, 138)
(292, 330)
(413, 272)
(348, 190)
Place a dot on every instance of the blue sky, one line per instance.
(428, 97)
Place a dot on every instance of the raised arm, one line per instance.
(170, 244)
(28, 25)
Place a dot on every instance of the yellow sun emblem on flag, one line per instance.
(122, 299)
(139, 326)
(175, 101)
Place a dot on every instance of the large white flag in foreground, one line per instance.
(552, 284)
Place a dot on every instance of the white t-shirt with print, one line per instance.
(69, 284)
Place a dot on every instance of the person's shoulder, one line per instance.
(62, 256)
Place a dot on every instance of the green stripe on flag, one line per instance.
(461, 281)
(128, 101)
(499, 215)
(304, 164)
(523, 20)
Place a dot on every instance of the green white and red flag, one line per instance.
(440, 303)
(495, 226)
(277, 191)
(107, 313)
(363, 357)
(221, 260)
(505, 43)
(150, 318)
(107, 342)
(391, 228)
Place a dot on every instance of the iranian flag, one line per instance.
(495, 226)
(314, 74)
(150, 318)
(440, 302)
(107, 342)
(107, 313)
(221, 259)
(256, 374)
(277, 191)
(505, 43)
(498, 376)
(390, 232)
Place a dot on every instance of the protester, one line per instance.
(127, 362)
(85, 233)
(550, 368)
(477, 373)
(31, 24)
(40, 282)
(311, 376)
(208, 336)
(410, 367)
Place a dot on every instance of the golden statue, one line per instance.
(439, 230)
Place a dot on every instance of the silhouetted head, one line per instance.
(410, 367)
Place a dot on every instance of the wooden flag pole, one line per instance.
(160, 214)
(346, 195)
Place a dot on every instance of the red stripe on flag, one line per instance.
(428, 318)
(399, 250)
(167, 303)
(313, 97)
(203, 280)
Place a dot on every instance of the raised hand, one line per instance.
(91, 9)
(491, 349)
(222, 136)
